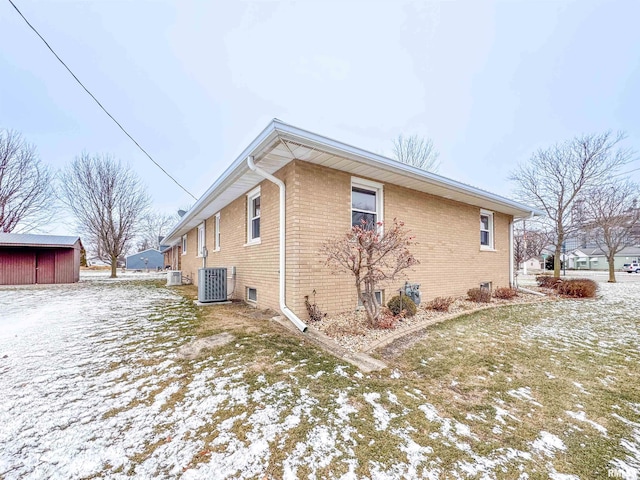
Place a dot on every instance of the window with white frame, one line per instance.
(184, 245)
(486, 230)
(201, 240)
(253, 216)
(217, 227)
(366, 202)
(252, 294)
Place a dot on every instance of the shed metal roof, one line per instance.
(32, 240)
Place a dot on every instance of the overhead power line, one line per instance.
(98, 102)
(625, 173)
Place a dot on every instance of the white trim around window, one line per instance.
(253, 216)
(486, 230)
(367, 200)
(201, 233)
(217, 232)
(184, 244)
(252, 295)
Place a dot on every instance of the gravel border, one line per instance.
(349, 329)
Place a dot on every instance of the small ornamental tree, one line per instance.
(372, 255)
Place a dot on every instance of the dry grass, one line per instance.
(456, 403)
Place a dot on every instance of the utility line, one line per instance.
(625, 173)
(98, 102)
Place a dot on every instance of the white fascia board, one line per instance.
(379, 161)
(277, 128)
(228, 177)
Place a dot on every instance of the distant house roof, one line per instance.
(30, 240)
(626, 251)
(153, 250)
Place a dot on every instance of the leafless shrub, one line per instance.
(480, 295)
(505, 293)
(440, 304)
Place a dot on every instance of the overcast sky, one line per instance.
(195, 82)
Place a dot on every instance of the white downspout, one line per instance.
(283, 196)
(511, 281)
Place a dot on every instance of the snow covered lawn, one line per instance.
(91, 386)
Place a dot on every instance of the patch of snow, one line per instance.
(524, 393)
(547, 443)
(340, 370)
(581, 416)
(581, 388)
(380, 414)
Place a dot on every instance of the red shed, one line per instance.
(26, 259)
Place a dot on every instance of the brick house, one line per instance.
(320, 186)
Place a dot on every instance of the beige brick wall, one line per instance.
(447, 232)
(256, 265)
(318, 209)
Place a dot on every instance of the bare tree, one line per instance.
(154, 226)
(416, 151)
(611, 216)
(107, 200)
(373, 257)
(26, 193)
(553, 178)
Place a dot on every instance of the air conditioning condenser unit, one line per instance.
(212, 285)
(174, 277)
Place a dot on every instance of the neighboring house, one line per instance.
(577, 260)
(594, 259)
(151, 259)
(291, 190)
(28, 259)
(534, 263)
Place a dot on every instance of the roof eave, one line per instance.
(236, 169)
(374, 159)
(277, 128)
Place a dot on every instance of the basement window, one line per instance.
(252, 295)
(379, 294)
(486, 286)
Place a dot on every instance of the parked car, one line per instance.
(631, 267)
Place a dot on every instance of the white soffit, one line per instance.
(280, 143)
(389, 174)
